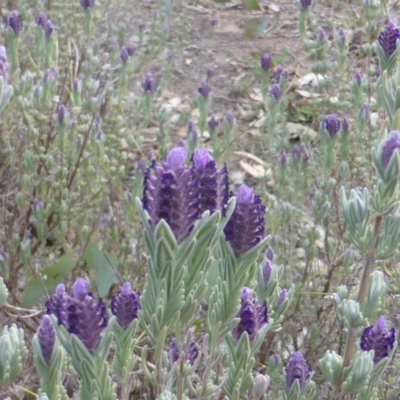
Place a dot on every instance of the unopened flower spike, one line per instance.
(266, 62)
(253, 315)
(125, 305)
(213, 123)
(46, 337)
(245, 228)
(86, 4)
(275, 92)
(378, 338)
(149, 84)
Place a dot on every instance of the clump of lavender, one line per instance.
(297, 369)
(253, 315)
(245, 228)
(125, 305)
(378, 338)
(46, 337)
(79, 313)
(191, 353)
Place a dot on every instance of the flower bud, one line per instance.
(260, 386)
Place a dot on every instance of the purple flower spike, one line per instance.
(364, 112)
(191, 353)
(124, 55)
(267, 270)
(305, 4)
(41, 19)
(388, 38)
(125, 305)
(62, 110)
(266, 62)
(378, 338)
(275, 92)
(391, 145)
(297, 369)
(282, 297)
(48, 29)
(213, 123)
(341, 36)
(358, 77)
(229, 117)
(253, 315)
(270, 254)
(79, 313)
(170, 193)
(245, 229)
(300, 153)
(14, 21)
(149, 84)
(204, 90)
(46, 336)
(283, 159)
(86, 4)
(212, 191)
(213, 21)
(331, 125)
(322, 36)
(280, 73)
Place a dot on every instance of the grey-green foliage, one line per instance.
(3, 292)
(12, 353)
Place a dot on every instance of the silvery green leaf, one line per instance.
(260, 386)
(349, 311)
(389, 239)
(125, 342)
(357, 375)
(3, 292)
(331, 366)
(166, 395)
(376, 293)
(12, 353)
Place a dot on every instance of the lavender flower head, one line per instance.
(191, 353)
(297, 369)
(62, 111)
(213, 21)
(86, 4)
(388, 38)
(170, 193)
(229, 117)
(305, 4)
(300, 153)
(124, 55)
(280, 73)
(266, 62)
(331, 125)
(14, 21)
(364, 112)
(378, 338)
(322, 36)
(79, 313)
(275, 92)
(149, 84)
(46, 336)
(283, 159)
(270, 254)
(267, 270)
(391, 145)
(282, 297)
(213, 123)
(204, 90)
(358, 77)
(192, 131)
(212, 184)
(245, 229)
(253, 315)
(125, 305)
(341, 37)
(41, 19)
